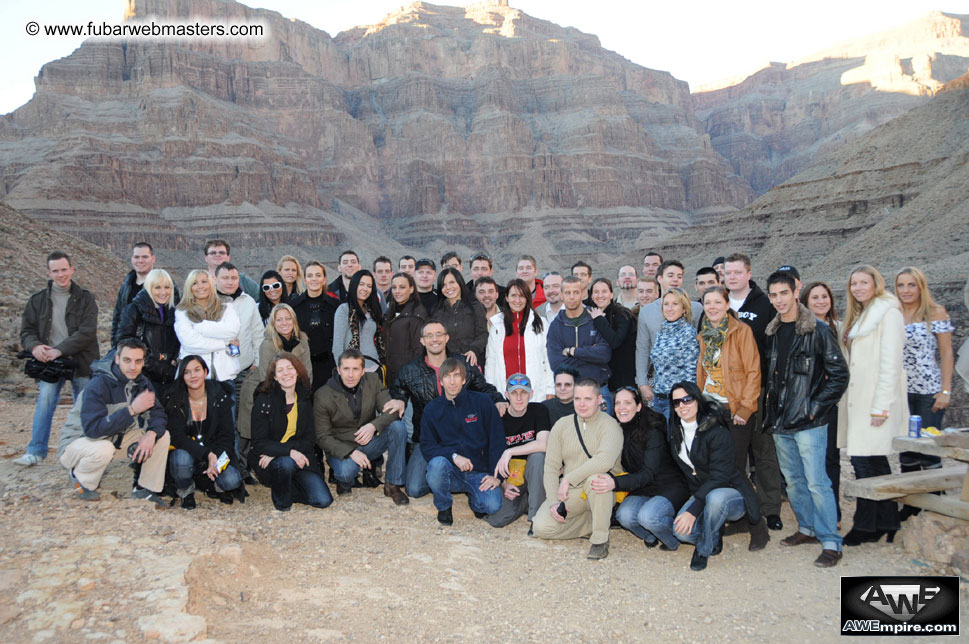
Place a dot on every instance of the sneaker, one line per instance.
(27, 460)
(444, 517)
(599, 550)
(828, 558)
(148, 495)
(82, 493)
(188, 502)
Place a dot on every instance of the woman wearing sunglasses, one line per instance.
(655, 484)
(702, 447)
(270, 294)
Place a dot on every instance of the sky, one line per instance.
(697, 41)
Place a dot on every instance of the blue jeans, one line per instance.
(606, 399)
(392, 440)
(921, 405)
(801, 456)
(723, 504)
(661, 406)
(184, 469)
(444, 478)
(415, 482)
(47, 396)
(649, 518)
(290, 484)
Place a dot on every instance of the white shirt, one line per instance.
(689, 433)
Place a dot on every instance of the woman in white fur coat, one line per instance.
(875, 407)
(206, 326)
(516, 344)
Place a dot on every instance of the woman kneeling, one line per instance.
(202, 434)
(283, 436)
(655, 484)
(701, 445)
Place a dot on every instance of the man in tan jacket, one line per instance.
(580, 447)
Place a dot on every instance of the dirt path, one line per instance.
(366, 570)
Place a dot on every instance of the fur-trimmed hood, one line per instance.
(872, 316)
(805, 323)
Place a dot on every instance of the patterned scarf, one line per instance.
(713, 337)
(378, 337)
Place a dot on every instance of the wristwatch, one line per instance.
(454, 455)
(946, 392)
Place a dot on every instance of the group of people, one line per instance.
(574, 401)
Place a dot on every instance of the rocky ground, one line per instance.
(365, 570)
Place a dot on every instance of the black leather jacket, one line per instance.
(815, 377)
(418, 383)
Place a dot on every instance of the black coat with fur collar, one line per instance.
(815, 378)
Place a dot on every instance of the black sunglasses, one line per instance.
(685, 400)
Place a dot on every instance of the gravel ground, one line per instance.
(365, 570)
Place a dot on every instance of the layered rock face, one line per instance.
(440, 126)
(781, 119)
(897, 196)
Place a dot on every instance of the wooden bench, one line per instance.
(912, 488)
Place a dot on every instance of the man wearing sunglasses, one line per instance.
(580, 447)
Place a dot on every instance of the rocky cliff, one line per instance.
(781, 119)
(439, 126)
(897, 196)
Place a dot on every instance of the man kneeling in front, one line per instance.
(462, 439)
(580, 447)
(118, 410)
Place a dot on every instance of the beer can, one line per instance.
(233, 350)
(914, 426)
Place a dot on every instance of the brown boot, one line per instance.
(397, 494)
(758, 535)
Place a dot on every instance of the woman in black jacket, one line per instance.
(403, 324)
(202, 434)
(701, 445)
(462, 316)
(150, 317)
(655, 484)
(282, 454)
(617, 326)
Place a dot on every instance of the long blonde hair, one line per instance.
(272, 334)
(927, 304)
(159, 276)
(213, 309)
(854, 308)
(300, 285)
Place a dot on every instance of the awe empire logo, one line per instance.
(901, 601)
(899, 605)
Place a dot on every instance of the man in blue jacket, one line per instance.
(462, 439)
(117, 410)
(572, 340)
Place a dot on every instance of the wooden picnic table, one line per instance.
(914, 488)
